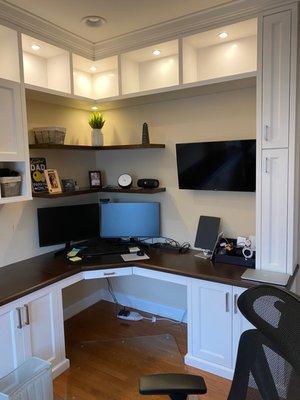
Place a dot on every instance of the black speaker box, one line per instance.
(148, 183)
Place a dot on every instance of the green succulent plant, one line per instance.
(96, 120)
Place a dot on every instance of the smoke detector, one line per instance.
(94, 21)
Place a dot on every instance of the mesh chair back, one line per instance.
(268, 361)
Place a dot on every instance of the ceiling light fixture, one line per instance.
(223, 35)
(94, 108)
(35, 47)
(94, 21)
(156, 52)
(93, 68)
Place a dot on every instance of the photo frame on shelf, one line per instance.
(37, 167)
(53, 182)
(95, 179)
(68, 185)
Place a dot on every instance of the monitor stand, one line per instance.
(63, 251)
(205, 254)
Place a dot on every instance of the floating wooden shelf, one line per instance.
(97, 148)
(133, 190)
(46, 195)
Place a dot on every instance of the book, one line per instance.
(38, 180)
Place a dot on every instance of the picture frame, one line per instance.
(53, 182)
(68, 185)
(95, 179)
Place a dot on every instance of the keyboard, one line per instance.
(103, 248)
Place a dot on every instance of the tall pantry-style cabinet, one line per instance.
(277, 158)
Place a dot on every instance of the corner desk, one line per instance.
(31, 307)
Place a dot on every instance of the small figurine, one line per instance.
(145, 134)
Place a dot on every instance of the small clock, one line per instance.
(125, 181)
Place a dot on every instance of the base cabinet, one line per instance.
(42, 314)
(12, 349)
(33, 326)
(215, 326)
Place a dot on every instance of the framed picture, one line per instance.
(52, 180)
(37, 168)
(95, 179)
(68, 185)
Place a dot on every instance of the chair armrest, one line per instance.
(170, 384)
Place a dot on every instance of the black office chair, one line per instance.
(268, 360)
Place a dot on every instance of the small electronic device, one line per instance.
(227, 165)
(148, 183)
(130, 220)
(125, 181)
(67, 224)
(207, 235)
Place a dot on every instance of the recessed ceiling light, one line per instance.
(156, 52)
(111, 74)
(94, 21)
(223, 35)
(94, 108)
(93, 68)
(35, 47)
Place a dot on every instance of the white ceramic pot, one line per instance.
(97, 137)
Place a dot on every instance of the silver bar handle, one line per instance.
(27, 321)
(235, 303)
(266, 132)
(227, 302)
(109, 273)
(267, 165)
(19, 311)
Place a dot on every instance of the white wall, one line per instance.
(35, 70)
(162, 72)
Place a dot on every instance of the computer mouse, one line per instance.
(140, 253)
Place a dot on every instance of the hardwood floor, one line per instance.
(109, 355)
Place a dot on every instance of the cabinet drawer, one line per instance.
(108, 273)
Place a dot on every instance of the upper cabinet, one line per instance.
(276, 66)
(95, 79)
(221, 52)
(150, 68)
(9, 55)
(45, 65)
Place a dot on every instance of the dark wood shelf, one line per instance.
(136, 190)
(46, 195)
(97, 148)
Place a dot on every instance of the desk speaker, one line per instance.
(148, 183)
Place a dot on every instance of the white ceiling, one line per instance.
(123, 16)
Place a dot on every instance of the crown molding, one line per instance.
(186, 25)
(28, 23)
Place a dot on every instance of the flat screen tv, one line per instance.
(225, 166)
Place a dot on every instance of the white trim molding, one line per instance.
(42, 29)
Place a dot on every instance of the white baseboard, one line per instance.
(209, 367)
(82, 304)
(60, 368)
(162, 310)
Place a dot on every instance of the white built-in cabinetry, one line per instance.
(277, 154)
(13, 137)
(215, 325)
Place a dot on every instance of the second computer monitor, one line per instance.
(130, 220)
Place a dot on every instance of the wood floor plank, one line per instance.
(109, 355)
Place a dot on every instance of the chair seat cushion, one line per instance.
(172, 383)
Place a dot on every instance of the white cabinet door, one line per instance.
(12, 352)
(211, 322)
(276, 64)
(274, 203)
(43, 324)
(240, 323)
(11, 117)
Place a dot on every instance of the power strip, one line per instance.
(130, 316)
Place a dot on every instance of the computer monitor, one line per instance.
(65, 224)
(130, 220)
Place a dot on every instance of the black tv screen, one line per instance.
(226, 166)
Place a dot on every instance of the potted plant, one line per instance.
(96, 122)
